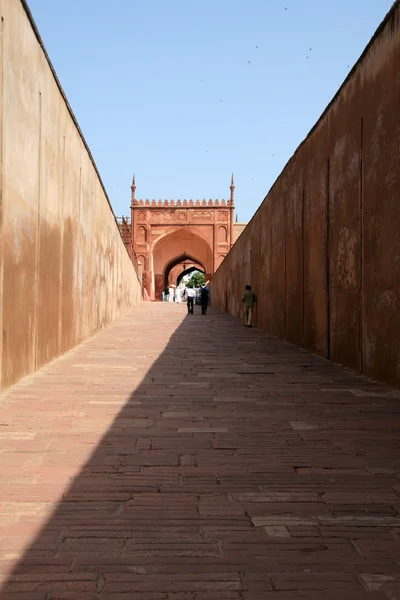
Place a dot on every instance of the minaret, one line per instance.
(232, 190)
(133, 188)
(232, 203)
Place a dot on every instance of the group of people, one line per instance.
(170, 294)
(190, 295)
(204, 296)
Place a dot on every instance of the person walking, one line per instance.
(191, 295)
(249, 299)
(204, 298)
(171, 294)
(178, 297)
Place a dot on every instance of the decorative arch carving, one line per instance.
(222, 234)
(141, 235)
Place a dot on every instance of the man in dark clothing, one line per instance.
(249, 299)
(204, 297)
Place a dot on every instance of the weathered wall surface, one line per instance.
(64, 270)
(323, 250)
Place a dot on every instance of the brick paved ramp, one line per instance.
(189, 458)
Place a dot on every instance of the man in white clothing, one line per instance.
(191, 295)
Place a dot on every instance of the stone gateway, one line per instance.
(171, 238)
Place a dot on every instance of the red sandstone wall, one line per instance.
(323, 250)
(64, 270)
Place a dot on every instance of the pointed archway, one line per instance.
(179, 267)
(174, 249)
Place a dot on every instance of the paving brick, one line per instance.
(315, 581)
(169, 458)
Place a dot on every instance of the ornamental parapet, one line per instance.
(179, 203)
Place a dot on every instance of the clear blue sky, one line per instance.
(145, 80)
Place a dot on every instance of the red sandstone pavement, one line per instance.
(189, 458)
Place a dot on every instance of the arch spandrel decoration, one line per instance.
(162, 230)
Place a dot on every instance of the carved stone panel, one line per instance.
(223, 215)
(202, 215)
(161, 216)
(141, 216)
(180, 216)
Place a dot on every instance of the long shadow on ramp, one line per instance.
(239, 468)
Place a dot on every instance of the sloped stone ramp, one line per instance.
(176, 457)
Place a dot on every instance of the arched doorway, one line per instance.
(174, 250)
(179, 267)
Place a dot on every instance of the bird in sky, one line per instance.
(257, 47)
(248, 61)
